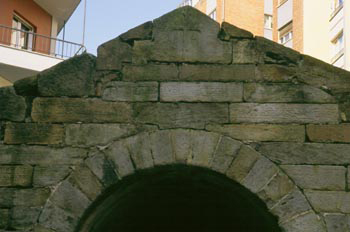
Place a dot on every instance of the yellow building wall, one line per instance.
(316, 29)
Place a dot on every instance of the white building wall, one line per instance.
(285, 13)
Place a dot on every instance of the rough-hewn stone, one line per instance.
(49, 175)
(317, 177)
(283, 92)
(329, 201)
(79, 110)
(190, 115)
(33, 133)
(27, 86)
(20, 175)
(244, 52)
(229, 31)
(142, 32)
(26, 197)
(150, 72)
(309, 221)
(337, 222)
(181, 141)
(131, 91)
(4, 218)
(275, 73)
(345, 111)
(141, 151)
(201, 92)
(73, 77)
(20, 218)
(283, 113)
(161, 147)
(12, 106)
(119, 154)
(329, 133)
(261, 132)
(307, 153)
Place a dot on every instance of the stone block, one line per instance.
(79, 110)
(11, 176)
(189, 115)
(49, 175)
(142, 32)
(224, 154)
(310, 221)
(181, 140)
(24, 217)
(140, 150)
(242, 164)
(40, 155)
(31, 197)
(275, 73)
(33, 133)
(329, 133)
(112, 54)
(72, 77)
(201, 92)
(337, 222)
(4, 218)
(307, 153)
(260, 174)
(283, 92)
(150, 72)
(329, 201)
(96, 134)
(161, 148)
(261, 132)
(212, 72)
(119, 154)
(345, 111)
(27, 86)
(244, 51)
(102, 168)
(203, 148)
(292, 205)
(131, 91)
(283, 113)
(12, 106)
(229, 31)
(317, 177)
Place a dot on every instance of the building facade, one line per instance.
(313, 27)
(28, 37)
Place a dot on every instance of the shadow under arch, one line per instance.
(178, 198)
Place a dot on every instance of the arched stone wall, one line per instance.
(179, 90)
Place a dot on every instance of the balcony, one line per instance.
(24, 53)
(336, 9)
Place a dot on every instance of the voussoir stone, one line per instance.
(73, 77)
(12, 106)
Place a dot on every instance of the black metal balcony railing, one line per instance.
(30, 41)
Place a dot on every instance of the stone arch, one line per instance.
(70, 201)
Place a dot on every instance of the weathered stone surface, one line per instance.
(4, 218)
(2, 131)
(185, 35)
(329, 133)
(96, 134)
(225, 152)
(20, 218)
(27, 86)
(181, 140)
(292, 205)
(161, 147)
(141, 150)
(190, 115)
(261, 132)
(205, 72)
(271, 52)
(317, 177)
(203, 147)
(283, 92)
(345, 111)
(131, 91)
(260, 174)
(119, 155)
(73, 77)
(12, 106)
(150, 72)
(79, 110)
(20, 175)
(40, 155)
(307, 153)
(244, 52)
(242, 164)
(276, 189)
(283, 113)
(337, 222)
(41, 228)
(229, 31)
(70, 198)
(102, 168)
(329, 201)
(49, 175)
(275, 73)
(57, 219)
(142, 32)
(309, 221)
(112, 54)
(201, 92)
(33, 133)
(31, 197)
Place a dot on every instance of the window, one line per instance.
(338, 44)
(336, 5)
(280, 2)
(22, 34)
(268, 22)
(213, 14)
(286, 35)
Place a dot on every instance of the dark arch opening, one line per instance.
(175, 199)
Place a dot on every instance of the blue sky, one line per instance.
(106, 19)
